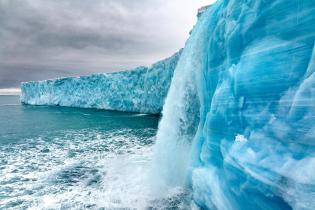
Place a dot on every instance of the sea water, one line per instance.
(72, 158)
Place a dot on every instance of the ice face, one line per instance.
(238, 123)
(139, 90)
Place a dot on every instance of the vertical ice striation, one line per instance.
(142, 89)
(238, 123)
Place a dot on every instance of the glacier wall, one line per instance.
(238, 123)
(142, 89)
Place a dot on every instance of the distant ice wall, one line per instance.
(142, 89)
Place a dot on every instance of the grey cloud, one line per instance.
(43, 39)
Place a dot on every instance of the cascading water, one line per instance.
(238, 121)
(181, 113)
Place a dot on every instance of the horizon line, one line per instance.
(10, 91)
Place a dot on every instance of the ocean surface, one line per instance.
(71, 158)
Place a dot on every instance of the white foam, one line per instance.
(83, 169)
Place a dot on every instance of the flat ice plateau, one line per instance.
(142, 89)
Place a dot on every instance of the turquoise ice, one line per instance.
(238, 123)
(142, 89)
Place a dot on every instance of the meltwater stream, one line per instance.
(69, 158)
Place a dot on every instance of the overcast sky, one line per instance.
(42, 39)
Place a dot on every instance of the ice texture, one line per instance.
(142, 89)
(238, 123)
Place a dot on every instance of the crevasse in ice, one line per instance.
(238, 122)
(142, 89)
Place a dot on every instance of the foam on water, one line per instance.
(84, 168)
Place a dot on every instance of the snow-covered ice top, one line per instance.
(142, 89)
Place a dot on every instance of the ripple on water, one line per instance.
(82, 169)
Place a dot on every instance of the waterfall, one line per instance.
(238, 121)
(181, 112)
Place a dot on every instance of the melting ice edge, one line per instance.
(238, 122)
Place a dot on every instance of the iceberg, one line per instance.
(142, 89)
(238, 124)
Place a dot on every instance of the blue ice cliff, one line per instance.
(142, 89)
(238, 123)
